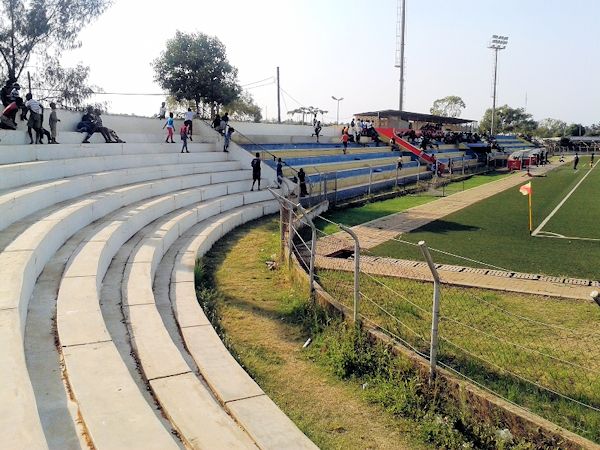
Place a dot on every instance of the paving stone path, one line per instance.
(376, 232)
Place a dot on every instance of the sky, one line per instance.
(347, 49)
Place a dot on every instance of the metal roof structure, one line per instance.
(406, 115)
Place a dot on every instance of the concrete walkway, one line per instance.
(378, 231)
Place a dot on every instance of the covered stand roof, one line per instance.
(406, 115)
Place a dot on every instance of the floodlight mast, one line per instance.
(400, 34)
(338, 100)
(497, 43)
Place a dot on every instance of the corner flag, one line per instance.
(526, 190)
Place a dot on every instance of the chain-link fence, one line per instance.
(539, 353)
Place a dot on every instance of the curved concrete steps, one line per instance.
(240, 395)
(111, 407)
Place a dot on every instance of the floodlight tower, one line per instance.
(338, 100)
(400, 33)
(497, 43)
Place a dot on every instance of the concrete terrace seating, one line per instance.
(67, 212)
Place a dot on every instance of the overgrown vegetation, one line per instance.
(500, 340)
(342, 391)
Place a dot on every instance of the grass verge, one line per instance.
(500, 340)
(342, 391)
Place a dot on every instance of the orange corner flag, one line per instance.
(525, 189)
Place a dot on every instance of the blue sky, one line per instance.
(347, 49)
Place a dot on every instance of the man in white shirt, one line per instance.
(162, 112)
(189, 120)
(35, 118)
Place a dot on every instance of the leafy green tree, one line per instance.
(575, 129)
(244, 108)
(450, 106)
(508, 120)
(26, 25)
(194, 67)
(68, 87)
(548, 128)
(593, 130)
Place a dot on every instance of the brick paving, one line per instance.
(378, 231)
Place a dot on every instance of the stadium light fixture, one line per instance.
(497, 43)
(338, 100)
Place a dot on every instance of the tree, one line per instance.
(194, 67)
(26, 25)
(575, 129)
(508, 120)
(244, 108)
(450, 106)
(68, 87)
(593, 130)
(548, 128)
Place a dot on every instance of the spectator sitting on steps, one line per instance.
(9, 115)
(112, 135)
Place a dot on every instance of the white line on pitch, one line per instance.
(560, 236)
(555, 210)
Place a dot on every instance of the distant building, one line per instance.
(390, 118)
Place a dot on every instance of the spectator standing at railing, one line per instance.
(302, 182)
(35, 118)
(162, 111)
(189, 121)
(52, 121)
(317, 130)
(279, 172)
(255, 164)
(216, 121)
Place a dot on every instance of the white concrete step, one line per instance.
(25, 153)
(82, 332)
(242, 397)
(25, 257)
(22, 174)
(17, 204)
(19, 137)
(160, 360)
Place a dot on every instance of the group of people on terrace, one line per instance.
(30, 109)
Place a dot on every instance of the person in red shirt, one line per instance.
(183, 133)
(7, 119)
(345, 138)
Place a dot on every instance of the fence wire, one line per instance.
(538, 353)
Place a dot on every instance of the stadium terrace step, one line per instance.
(20, 174)
(83, 334)
(17, 204)
(338, 150)
(333, 167)
(20, 137)
(242, 397)
(26, 153)
(183, 398)
(26, 255)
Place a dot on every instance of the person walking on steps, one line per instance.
(575, 161)
(255, 171)
(170, 125)
(183, 133)
(227, 140)
(189, 121)
(345, 142)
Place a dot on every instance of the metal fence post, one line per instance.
(282, 229)
(418, 171)
(290, 233)
(313, 248)
(435, 312)
(356, 271)
(463, 165)
(335, 189)
(370, 179)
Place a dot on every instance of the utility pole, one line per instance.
(497, 43)
(278, 98)
(338, 100)
(400, 35)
